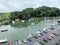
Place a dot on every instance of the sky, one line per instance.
(18, 5)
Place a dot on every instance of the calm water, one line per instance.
(21, 33)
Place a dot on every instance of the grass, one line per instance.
(4, 15)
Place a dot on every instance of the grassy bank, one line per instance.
(4, 14)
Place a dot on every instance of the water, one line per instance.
(15, 33)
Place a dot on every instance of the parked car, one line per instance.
(25, 41)
(52, 35)
(57, 43)
(45, 40)
(30, 35)
(36, 43)
(46, 32)
(41, 33)
(49, 37)
(35, 36)
(29, 39)
(38, 35)
(19, 42)
(42, 43)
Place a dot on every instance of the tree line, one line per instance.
(28, 13)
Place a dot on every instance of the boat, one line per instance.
(3, 30)
(3, 41)
(29, 35)
(46, 28)
(38, 32)
(32, 23)
(59, 21)
(25, 41)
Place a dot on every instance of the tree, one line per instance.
(43, 11)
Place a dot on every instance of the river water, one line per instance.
(15, 33)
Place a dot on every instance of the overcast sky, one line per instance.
(15, 5)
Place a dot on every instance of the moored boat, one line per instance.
(59, 21)
(3, 41)
(3, 30)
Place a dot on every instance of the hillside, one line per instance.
(4, 14)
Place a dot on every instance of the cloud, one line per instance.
(15, 5)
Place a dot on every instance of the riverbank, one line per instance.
(24, 23)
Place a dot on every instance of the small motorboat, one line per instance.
(38, 32)
(29, 36)
(59, 21)
(3, 30)
(3, 41)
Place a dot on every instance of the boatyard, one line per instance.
(47, 36)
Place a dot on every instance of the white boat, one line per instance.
(24, 41)
(38, 32)
(59, 21)
(29, 36)
(3, 41)
(46, 28)
(19, 42)
(3, 30)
